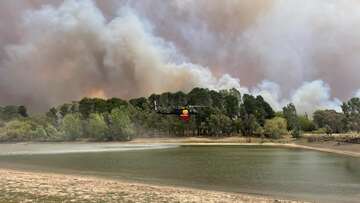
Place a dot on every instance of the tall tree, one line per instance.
(121, 127)
(219, 124)
(330, 120)
(290, 115)
(11, 112)
(257, 107)
(72, 126)
(351, 110)
(200, 96)
(97, 127)
(232, 106)
(140, 103)
(23, 111)
(248, 124)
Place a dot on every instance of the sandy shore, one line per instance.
(20, 186)
(329, 147)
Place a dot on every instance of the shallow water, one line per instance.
(275, 171)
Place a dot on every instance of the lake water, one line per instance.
(274, 171)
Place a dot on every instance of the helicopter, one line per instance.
(184, 112)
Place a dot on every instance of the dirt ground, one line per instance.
(328, 146)
(332, 145)
(215, 140)
(19, 186)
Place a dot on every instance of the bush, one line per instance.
(54, 134)
(39, 134)
(275, 127)
(328, 130)
(319, 131)
(17, 130)
(296, 132)
(306, 124)
(259, 131)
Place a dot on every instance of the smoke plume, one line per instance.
(287, 51)
(357, 94)
(71, 51)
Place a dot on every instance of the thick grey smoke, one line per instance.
(307, 40)
(357, 94)
(287, 51)
(72, 51)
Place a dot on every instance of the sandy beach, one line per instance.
(21, 186)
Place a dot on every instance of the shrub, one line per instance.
(54, 134)
(17, 130)
(306, 124)
(275, 127)
(296, 132)
(39, 134)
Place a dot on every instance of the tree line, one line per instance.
(223, 113)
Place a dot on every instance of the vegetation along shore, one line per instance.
(224, 113)
(225, 118)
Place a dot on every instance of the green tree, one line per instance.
(296, 132)
(97, 128)
(65, 109)
(330, 120)
(257, 107)
(217, 99)
(72, 126)
(140, 103)
(54, 134)
(86, 107)
(39, 134)
(232, 106)
(200, 96)
(291, 117)
(275, 127)
(8, 113)
(306, 124)
(114, 103)
(265, 107)
(23, 111)
(121, 127)
(17, 130)
(248, 124)
(52, 116)
(351, 110)
(219, 124)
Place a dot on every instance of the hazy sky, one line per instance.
(305, 52)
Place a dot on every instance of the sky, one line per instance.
(304, 52)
